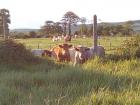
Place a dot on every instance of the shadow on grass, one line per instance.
(51, 81)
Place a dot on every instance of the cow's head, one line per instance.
(81, 53)
(65, 50)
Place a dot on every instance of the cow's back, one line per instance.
(100, 51)
(55, 52)
(58, 53)
(72, 54)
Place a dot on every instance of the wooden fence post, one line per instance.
(110, 45)
(95, 32)
(38, 46)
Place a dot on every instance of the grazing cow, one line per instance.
(59, 37)
(80, 54)
(75, 36)
(37, 52)
(61, 53)
(55, 38)
(67, 38)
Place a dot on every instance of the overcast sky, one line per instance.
(33, 13)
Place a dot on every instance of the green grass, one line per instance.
(109, 43)
(97, 82)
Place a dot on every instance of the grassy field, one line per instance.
(97, 82)
(46, 43)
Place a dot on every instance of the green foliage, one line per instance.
(96, 82)
(51, 28)
(32, 34)
(129, 48)
(112, 30)
(70, 18)
(12, 52)
(83, 29)
(19, 35)
(93, 83)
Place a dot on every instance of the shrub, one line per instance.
(129, 48)
(12, 52)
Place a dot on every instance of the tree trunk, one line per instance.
(69, 28)
(65, 30)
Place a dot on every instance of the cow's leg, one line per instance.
(58, 58)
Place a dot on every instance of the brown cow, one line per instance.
(61, 53)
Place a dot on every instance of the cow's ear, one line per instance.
(60, 46)
(70, 46)
(87, 49)
(77, 49)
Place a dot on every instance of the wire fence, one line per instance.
(109, 43)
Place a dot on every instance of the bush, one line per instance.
(129, 48)
(12, 52)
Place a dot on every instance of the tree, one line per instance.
(70, 18)
(4, 21)
(51, 27)
(32, 34)
(47, 28)
(83, 28)
(58, 28)
(99, 29)
(128, 27)
(90, 30)
(64, 25)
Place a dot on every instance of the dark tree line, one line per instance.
(112, 30)
(70, 19)
(106, 29)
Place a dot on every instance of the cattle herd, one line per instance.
(66, 38)
(69, 53)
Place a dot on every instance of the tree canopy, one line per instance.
(51, 27)
(70, 18)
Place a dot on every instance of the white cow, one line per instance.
(59, 37)
(100, 51)
(37, 52)
(80, 54)
(55, 38)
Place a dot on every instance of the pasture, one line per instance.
(110, 43)
(96, 82)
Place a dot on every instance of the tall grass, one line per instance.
(97, 82)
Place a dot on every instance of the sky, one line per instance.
(34, 13)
